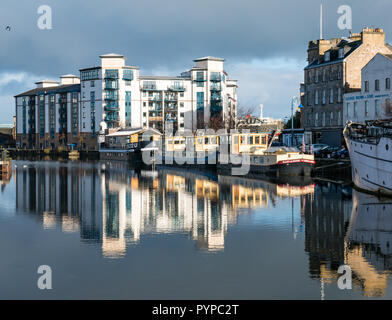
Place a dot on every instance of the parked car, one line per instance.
(326, 152)
(318, 146)
(342, 153)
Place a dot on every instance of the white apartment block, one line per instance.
(114, 95)
(373, 101)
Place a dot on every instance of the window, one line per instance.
(327, 56)
(339, 118)
(309, 76)
(340, 72)
(316, 97)
(341, 53)
(331, 119)
(316, 79)
(388, 84)
(144, 104)
(92, 84)
(331, 96)
(377, 107)
(324, 96)
(355, 109)
(83, 84)
(308, 98)
(366, 108)
(348, 111)
(323, 120)
(144, 114)
(181, 94)
(330, 73)
(182, 114)
(182, 104)
(324, 75)
(316, 119)
(339, 95)
(377, 85)
(257, 140)
(366, 86)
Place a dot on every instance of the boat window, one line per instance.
(264, 140)
(235, 139)
(199, 141)
(250, 139)
(242, 140)
(205, 140)
(213, 140)
(257, 139)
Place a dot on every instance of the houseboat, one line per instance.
(370, 148)
(129, 145)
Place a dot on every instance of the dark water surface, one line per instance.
(111, 232)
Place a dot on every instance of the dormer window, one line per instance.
(327, 57)
(341, 53)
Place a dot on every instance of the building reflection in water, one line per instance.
(356, 232)
(114, 206)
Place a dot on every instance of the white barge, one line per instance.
(370, 148)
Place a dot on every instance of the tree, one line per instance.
(243, 111)
(216, 123)
(297, 121)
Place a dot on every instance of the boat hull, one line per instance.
(371, 165)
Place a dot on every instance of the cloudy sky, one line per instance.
(264, 42)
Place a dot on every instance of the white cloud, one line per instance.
(12, 83)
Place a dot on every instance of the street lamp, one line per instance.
(294, 101)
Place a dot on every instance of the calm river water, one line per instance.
(107, 231)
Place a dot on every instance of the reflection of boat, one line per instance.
(369, 236)
(370, 148)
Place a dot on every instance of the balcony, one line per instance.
(171, 98)
(111, 96)
(178, 88)
(31, 103)
(111, 74)
(111, 106)
(216, 97)
(112, 117)
(150, 87)
(215, 77)
(215, 87)
(111, 85)
(216, 107)
(200, 79)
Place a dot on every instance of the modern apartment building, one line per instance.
(114, 95)
(373, 100)
(334, 68)
(48, 116)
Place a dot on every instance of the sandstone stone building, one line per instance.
(334, 68)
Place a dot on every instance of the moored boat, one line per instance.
(370, 148)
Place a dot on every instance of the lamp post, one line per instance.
(294, 100)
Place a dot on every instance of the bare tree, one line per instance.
(244, 111)
(388, 107)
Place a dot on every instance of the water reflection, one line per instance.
(356, 232)
(115, 206)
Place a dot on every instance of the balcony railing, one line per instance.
(112, 117)
(111, 95)
(216, 97)
(215, 77)
(216, 87)
(176, 88)
(111, 74)
(171, 98)
(111, 106)
(149, 87)
(111, 85)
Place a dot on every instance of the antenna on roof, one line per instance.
(321, 20)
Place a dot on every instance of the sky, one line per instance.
(264, 42)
